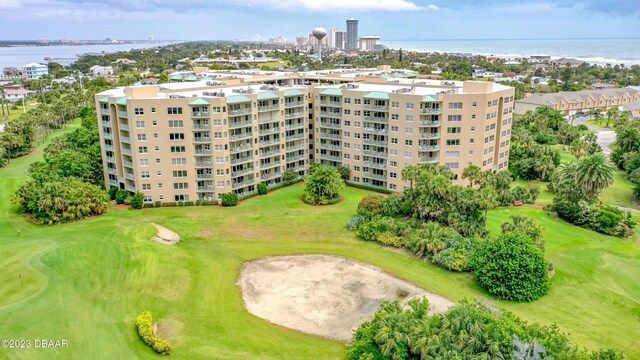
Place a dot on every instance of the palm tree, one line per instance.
(579, 148)
(410, 173)
(612, 115)
(594, 174)
(487, 199)
(473, 173)
(628, 139)
(543, 165)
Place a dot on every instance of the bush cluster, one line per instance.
(144, 324)
(369, 188)
(262, 189)
(229, 199)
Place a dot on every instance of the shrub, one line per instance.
(229, 199)
(208, 202)
(527, 195)
(188, 203)
(369, 188)
(511, 267)
(322, 186)
(148, 205)
(528, 227)
(582, 127)
(288, 176)
(344, 172)
(157, 203)
(121, 196)
(390, 239)
(248, 196)
(137, 201)
(112, 192)
(144, 324)
(370, 205)
(262, 189)
(395, 205)
(355, 222)
(169, 204)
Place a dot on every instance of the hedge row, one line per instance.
(144, 323)
(370, 188)
(181, 203)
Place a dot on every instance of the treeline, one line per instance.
(68, 184)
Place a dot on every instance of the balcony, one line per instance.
(266, 154)
(123, 114)
(113, 182)
(378, 119)
(268, 119)
(375, 142)
(126, 152)
(241, 172)
(106, 123)
(330, 147)
(294, 115)
(295, 136)
(125, 139)
(110, 159)
(293, 104)
(128, 164)
(268, 108)
(111, 171)
(201, 140)
(294, 126)
(330, 136)
(130, 188)
(241, 184)
(242, 111)
(380, 154)
(273, 130)
(270, 142)
(431, 111)
(240, 148)
(270, 165)
(123, 127)
(237, 124)
(331, 103)
(204, 164)
(271, 176)
(104, 111)
(129, 176)
(376, 107)
(371, 175)
(429, 135)
(109, 147)
(331, 114)
(295, 158)
(201, 127)
(430, 159)
(430, 123)
(242, 159)
(429, 147)
(243, 136)
(204, 176)
(370, 130)
(202, 152)
(330, 125)
(199, 114)
(295, 147)
(205, 188)
(375, 165)
(108, 136)
(330, 157)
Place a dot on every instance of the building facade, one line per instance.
(580, 102)
(197, 141)
(34, 71)
(352, 34)
(368, 43)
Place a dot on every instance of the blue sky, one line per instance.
(261, 19)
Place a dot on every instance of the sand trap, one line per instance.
(165, 236)
(322, 295)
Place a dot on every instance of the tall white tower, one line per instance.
(319, 33)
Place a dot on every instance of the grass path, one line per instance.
(86, 282)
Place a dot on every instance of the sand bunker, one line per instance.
(322, 295)
(165, 236)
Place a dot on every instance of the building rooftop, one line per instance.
(577, 96)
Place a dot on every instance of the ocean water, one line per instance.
(597, 51)
(22, 55)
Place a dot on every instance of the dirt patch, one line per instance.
(323, 295)
(165, 236)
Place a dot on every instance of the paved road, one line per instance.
(606, 136)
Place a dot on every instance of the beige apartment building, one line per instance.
(198, 140)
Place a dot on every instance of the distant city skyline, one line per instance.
(264, 19)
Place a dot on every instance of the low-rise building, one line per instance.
(101, 71)
(574, 102)
(34, 71)
(16, 93)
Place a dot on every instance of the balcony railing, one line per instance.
(330, 157)
(108, 135)
(110, 159)
(267, 154)
(242, 159)
(203, 152)
(123, 127)
(331, 103)
(268, 119)
(237, 124)
(375, 165)
(330, 136)
(293, 104)
(271, 176)
(125, 139)
(205, 188)
(104, 111)
(242, 172)
(295, 158)
(111, 171)
(330, 125)
(129, 176)
(295, 136)
(429, 135)
(126, 152)
(431, 111)
(264, 143)
(130, 188)
(240, 148)
(430, 159)
(330, 147)
(204, 176)
(270, 165)
(243, 136)
(294, 115)
(371, 175)
(240, 184)
(204, 164)
(430, 123)
(294, 126)
(128, 164)
(331, 114)
(377, 119)
(106, 123)
(201, 140)
(272, 130)
(375, 131)
(109, 147)
(376, 107)
(375, 142)
(201, 126)
(429, 147)
(123, 114)
(113, 182)
(380, 154)
(268, 108)
(295, 147)
(242, 111)
(199, 114)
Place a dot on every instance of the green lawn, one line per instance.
(86, 282)
(16, 113)
(602, 123)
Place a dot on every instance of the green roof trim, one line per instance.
(331, 92)
(199, 101)
(104, 99)
(378, 95)
(399, 75)
(268, 95)
(293, 92)
(411, 74)
(191, 78)
(206, 78)
(236, 99)
(176, 77)
(386, 76)
(429, 98)
(122, 101)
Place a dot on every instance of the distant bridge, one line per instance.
(60, 60)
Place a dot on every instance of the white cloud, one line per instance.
(433, 7)
(10, 4)
(332, 5)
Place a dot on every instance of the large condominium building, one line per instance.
(198, 140)
(352, 34)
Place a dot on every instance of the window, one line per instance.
(154, 123)
(395, 116)
(157, 161)
(357, 113)
(409, 118)
(219, 160)
(145, 174)
(408, 130)
(219, 172)
(147, 198)
(176, 136)
(453, 130)
(394, 128)
(393, 152)
(452, 154)
(220, 184)
(179, 173)
(142, 150)
(219, 148)
(159, 172)
(174, 111)
(178, 149)
(393, 163)
(395, 104)
(455, 106)
(473, 117)
(452, 166)
(180, 198)
(408, 142)
(144, 162)
(180, 186)
(453, 142)
(347, 100)
(393, 175)
(357, 101)
(356, 157)
(155, 136)
(217, 135)
(394, 140)
(138, 111)
(407, 154)
(176, 123)
(454, 118)
(140, 124)
(347, 112)
(347, 123)
(474, 104)
(146, 187)
(473, 128)
(156, 148)
(410, 106)
(142, 137)
(217, 122)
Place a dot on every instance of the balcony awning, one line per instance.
(176, 77)
(378, 95)
(199, 101)
(429, 98)
(268, 95)
(191, 78)
(236, 99)
(122, 101)
(206, 78)
(331, 92)
(293, 92)
(104, 99)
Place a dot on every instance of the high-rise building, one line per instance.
(352, 34)
(331, 38)
(368, 43)
(341, 36)
(197, 140)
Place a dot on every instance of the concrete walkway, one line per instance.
(606, 136)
